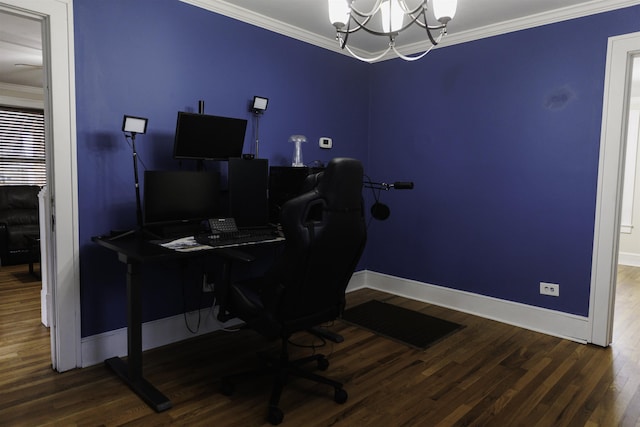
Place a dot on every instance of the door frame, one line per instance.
(60, 135)
(606, 239)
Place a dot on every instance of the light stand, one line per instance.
(258, 106)
(135, 125)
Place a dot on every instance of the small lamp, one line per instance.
(259, 104)
(134, 124)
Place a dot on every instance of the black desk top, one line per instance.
(137, 248)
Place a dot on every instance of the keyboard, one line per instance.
(240, 237)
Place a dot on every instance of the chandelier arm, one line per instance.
(373, 11)
(411, 58)
(407, 11)
(343, 42)
(360, 20)
(425, 24)
(369, 60)
(360, 25)
(431, 39)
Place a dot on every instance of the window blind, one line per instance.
(22, 152)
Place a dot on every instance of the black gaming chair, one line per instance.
(325, 235)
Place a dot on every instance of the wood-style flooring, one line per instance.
(486, 374)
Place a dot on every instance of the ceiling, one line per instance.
(20, 50)
(307, 20)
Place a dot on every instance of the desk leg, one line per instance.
(131, 371)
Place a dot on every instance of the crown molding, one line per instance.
(532, 21)
(563, 14)
(245, 15)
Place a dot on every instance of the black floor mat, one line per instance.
(407, 326)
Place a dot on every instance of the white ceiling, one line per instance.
(20, 50)
(307, 20)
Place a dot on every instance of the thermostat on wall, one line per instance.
(326, 142)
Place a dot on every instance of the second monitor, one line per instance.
(175, 202)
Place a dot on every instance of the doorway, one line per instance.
(22, 100)
(618, 77)
(56, 17)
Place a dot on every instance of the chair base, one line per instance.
(282, 368)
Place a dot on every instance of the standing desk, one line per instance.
(134, 250)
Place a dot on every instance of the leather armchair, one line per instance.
(325, 235)
(18, 219)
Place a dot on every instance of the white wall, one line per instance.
(630, 221)
(21, 96)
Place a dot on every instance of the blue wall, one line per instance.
(152, 58)
(501, 137)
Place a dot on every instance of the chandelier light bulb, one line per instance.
(392, 16)
(444, 10)
(338, 13)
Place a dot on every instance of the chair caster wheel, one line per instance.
(227, 388)
(340, 395)
(275, 415)
(323, 364)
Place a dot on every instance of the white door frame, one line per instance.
(620, 51)
(62, 232)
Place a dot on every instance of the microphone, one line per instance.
(380, 211)
(403, 185)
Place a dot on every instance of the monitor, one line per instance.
(206, 137)
(173, 197)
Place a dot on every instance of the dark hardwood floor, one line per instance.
(486, 374)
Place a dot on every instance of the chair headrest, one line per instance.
(341, 184)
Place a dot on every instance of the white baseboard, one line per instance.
(628, 258)
(97, 348)
(550, 322)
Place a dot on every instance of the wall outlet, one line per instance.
(325, 142)
(552, 289)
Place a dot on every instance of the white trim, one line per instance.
(628, 258)
(157, 333)
(261, 21)
(97, 348)
(557, 15)
(606, 236)
(562, 14)
(550, 322)
(64, 270)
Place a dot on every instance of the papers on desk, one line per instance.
(185, 244)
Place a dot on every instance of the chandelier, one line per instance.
(395, 17)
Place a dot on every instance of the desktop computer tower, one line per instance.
(248, 186)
